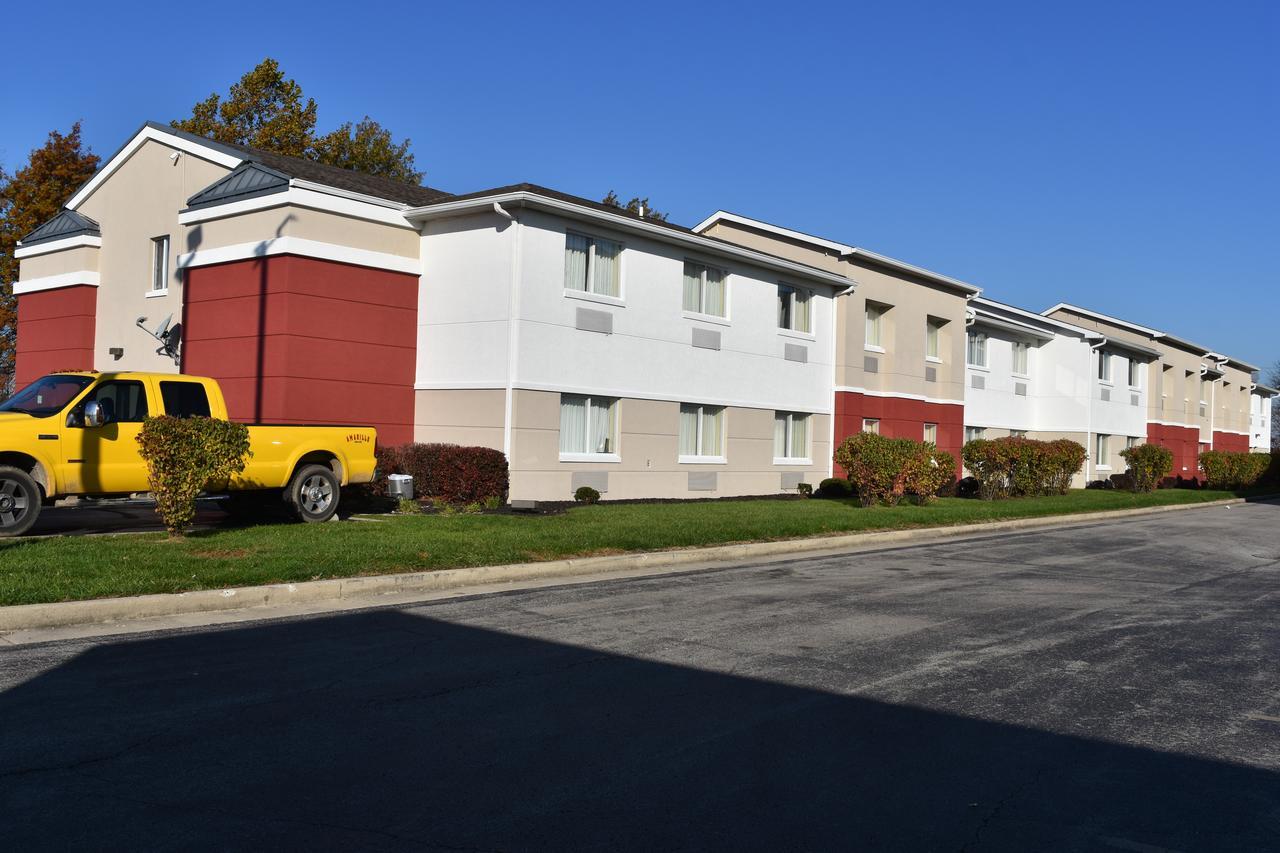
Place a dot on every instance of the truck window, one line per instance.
(46, 396)
(185, 399)
(126, 402)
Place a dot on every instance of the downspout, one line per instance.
(835, 348)
(1213, 404)
(1089, 450)
(513, 327)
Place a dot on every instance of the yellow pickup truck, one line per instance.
(76, 433)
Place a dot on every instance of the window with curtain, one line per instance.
(974, 433)
(588, 424)
(160, 263)
(1103, 446)
(977, 349)
(704, 288)
(871, 425)
(592, 265)
(1020, 351)
(1018, 433)
(1135, 372)
(794, 310)
(933, 339)
(701, 431)
(790, 435)
(1104, 366)
(931, 433)
(875, 320)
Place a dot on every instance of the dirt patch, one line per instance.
(224, 553)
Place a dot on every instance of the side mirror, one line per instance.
(94, 414)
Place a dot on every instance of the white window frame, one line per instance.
(1102, 450)
(589, 294)
(871, 425)
(986, 350)
(794, 296)
(159, 265)
(697, 458)
(791, 418)
(930, 433)
(1017, 433)
(701, 313)
(933, 340)
(1106, 368)
(1024, 348)
(873, 330)
(1135, 374)
(973, 433)
(612, 456)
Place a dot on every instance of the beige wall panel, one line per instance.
(293, 221)
(470, 417)
(57, 263)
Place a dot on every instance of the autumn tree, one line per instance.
(29, 197)
(267, 110)
(635, 205)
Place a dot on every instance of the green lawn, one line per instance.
(66, 568)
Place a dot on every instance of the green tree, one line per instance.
(1273, 379)
(29, 197)
(268, 110)
(635, 205)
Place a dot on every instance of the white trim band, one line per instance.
(213, 155)
(88, 278)
(303, 247)
(485, 385)
(75, 242)
(849, 389)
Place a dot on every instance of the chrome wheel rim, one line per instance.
(316, 495)
(15, 503)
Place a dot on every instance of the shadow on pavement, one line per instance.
(385, 730)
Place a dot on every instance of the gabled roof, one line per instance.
(67, 223)
(248, 180)
(991, 306)
(1155, 335)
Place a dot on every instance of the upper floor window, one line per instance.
(1135, 373)
(592, 265)
(160, 263)
(1104, 366)
(588, 425)
(701, 432)
(1204, 391)
(875, 325)
(790, 435)
(794, 308)
(977, 349)
(1020, 356)
(704, 289)
(933, 339)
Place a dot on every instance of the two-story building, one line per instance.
(1261, 404)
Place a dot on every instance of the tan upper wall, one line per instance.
(56, 263)
(910, 300)
(294, 221)
(1175, 381)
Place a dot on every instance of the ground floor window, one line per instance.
(871, 425)
(974, 433)
(1103, 447)
(701, 432)
(588, 425)
(931, 433)
(790, 435)
(1018, 433)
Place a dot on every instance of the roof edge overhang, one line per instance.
(991, 305)
(983, 317)
(844, 250)
(1150, 353)
(1264, 390)
(524, 198)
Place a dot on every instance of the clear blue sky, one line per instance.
(1125, 156)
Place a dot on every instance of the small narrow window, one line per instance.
(592, 265)
(1104, 366)
(875, 321)
(977, 349)
(1104, 451)
(701, 432)
(931, 433)
(933, 339)
(871, 425)
(790, 435)
(1020, 351)
(160, 264)
(1135, 373)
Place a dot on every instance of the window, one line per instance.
(871, 425)
(790, 435)
(160, 264)
(875, 323)
(588, 425)
(592, 265)
(1104, 366)
(1104, 451)
(1017, 433)
(974, 433)
(1135, 373)
(933, 339)
(184, 399)
(977, 351)
(1164, 380)
(931, 433)
(1130, 442)
(1204, 391)
(701, 432)
(121, 401)
(704, 289)
(793, 308)
(1020, 351)
(46, 396)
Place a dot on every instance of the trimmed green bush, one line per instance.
(586, 495)
(1224, 469)
(186, 456)
(1148, 465)
(883, 470)
(835, 487)
(1022, 467)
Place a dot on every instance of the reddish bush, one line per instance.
(886, 469)
(1018, 467)
(451, 472)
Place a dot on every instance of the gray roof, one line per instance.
(248, 180)
(67, 223)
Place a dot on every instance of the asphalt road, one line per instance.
(1111, 687)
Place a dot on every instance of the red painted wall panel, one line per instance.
(302, 340)
(900, 417)
(55, 331)
(1185, 444)
(1230, 441)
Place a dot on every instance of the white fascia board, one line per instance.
(327, 201)
(853, 389)
(305, 248)
(624, 223)
(341, 193)
(1263, 390)
(74, 242)
(213, 155)
(991, 318)
(844, 250)
(1076, 309)
(53, 282)
(984, 302)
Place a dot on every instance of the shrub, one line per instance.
(969, 487)
(450, 472)
(885, 469)
(1104, 485)
(1224, 469)
(805, 489)
(1148, 465)
(586, 495)
(1021, 467)
(186, 456)
(835, 487)
(408, 506)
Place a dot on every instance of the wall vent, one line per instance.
(1020, 388)
(1133, 399)
(595, 321)
(795, 352)
(702, 481)
(931, 374)
(791, 480)
(870, 364)
(598, 480)
(706, 339)
(1106, 395)
(978, 382)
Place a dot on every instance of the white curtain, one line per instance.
(692, 287)
(799, 436)
(802, 311)
(873, 326)
(573, 424)
(606, 268)
(714, 293)
(575, 262)
(780, 434)
(712, 431)
(688, 430)
(931, 339)
(602, 413)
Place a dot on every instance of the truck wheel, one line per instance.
(313, 493)
(20, 501)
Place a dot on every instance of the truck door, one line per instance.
(105, 459)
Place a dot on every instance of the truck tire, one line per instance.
(20, 501)
(313, 493)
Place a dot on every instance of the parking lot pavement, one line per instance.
(1103, 687)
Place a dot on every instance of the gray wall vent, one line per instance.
(706, 339)
(595, 321)
(598, 480)
(931, 374)
(795, 352)
(1133, 399)
(702, 481)
(1106, 394)
(1020, 388)
(791, 479)
(977, 381)
(870, 364)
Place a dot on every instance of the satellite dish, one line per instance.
(169, 334)
(163, 329)
(172, 340)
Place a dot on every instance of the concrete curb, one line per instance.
(104, 610)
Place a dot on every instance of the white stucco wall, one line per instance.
(1260, 423)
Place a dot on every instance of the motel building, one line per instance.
(593, 346)
(1260, 412)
